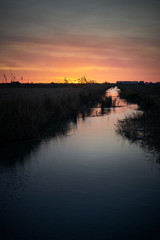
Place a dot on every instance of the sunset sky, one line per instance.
(105, 40)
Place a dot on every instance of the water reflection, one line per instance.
(116, 100)
(14, 153)
(138, 129)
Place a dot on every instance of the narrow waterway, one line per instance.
(88, 183)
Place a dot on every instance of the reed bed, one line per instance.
(149, 101)
(27, 113)
(147, 96)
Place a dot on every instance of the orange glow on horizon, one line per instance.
(101, 61)
(103, 41)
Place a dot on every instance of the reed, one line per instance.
(149, 101)
(106, 102)
(26, 113)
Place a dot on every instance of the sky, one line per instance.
(105, 40)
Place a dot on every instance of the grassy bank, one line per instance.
(28, 113)
(142, 126)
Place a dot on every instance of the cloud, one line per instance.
(95, 36)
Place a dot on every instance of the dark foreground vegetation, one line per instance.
(144, 126)
(33, 112)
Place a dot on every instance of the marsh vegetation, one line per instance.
(144, 126)
(33, 112)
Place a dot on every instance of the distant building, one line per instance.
(127, 82)
(141, 82)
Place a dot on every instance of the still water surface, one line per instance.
(88, 184)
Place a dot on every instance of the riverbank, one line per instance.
(28, 113)
(148, 99)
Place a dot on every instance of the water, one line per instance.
(88, 184)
